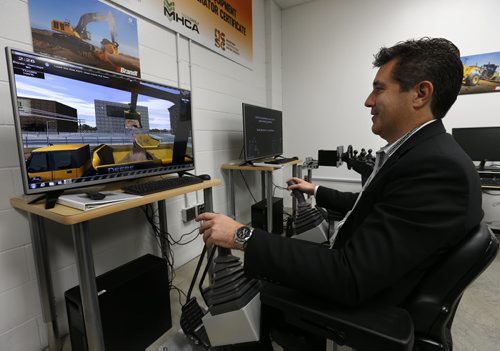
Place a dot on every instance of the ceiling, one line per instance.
(284, 4)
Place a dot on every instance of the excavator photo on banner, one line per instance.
(94, 36)
(80, 35)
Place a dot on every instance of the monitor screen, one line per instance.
(481, 143)
(80, 126)
(262, 132)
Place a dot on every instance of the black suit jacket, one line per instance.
(423, 201)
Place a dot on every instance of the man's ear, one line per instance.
(423, 96)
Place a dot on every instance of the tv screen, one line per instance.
(480, 143)
(80, 126)
(262, 132)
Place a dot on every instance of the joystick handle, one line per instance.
(299, 195)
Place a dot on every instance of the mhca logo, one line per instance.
(169, 12)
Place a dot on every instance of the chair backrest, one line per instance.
(433, 303)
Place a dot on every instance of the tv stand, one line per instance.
(50, 198)
(201, 176)
(481, 165)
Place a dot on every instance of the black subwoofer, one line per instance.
(259, 215)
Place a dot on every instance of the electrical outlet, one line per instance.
(188, 214)
(200, 208)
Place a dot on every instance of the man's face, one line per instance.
(390, 107)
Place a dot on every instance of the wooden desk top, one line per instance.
(68, 215)
(257, 168)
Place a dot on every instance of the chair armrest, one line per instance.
(379, 328)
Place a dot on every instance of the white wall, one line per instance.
(328, 48)
(219, 86)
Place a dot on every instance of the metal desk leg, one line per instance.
(269, 191)
(88, 289)
(209, 207)
(263, 180)
(162, 217)
(295, 171)
(45, 287)
(231, 201)
(208, 199)
(295, 174)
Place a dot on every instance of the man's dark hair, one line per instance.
(434, 59)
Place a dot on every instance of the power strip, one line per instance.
(190, 213)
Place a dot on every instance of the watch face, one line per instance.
(242, 234)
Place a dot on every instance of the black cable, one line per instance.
(248, 188)
(151, 215)
(280, 187)
(180, 293)
(178, 242)
(195, 175)
(167, 253)
(492, 192)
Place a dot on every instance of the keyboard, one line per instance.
(280, 161)
(490, 183)
(160, 185)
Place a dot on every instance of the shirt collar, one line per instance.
(389, 149)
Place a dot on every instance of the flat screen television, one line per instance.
(480, 143)
(80, 126)
(262, 132)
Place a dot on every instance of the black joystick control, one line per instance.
(299, 195)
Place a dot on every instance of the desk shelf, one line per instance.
(68, 215)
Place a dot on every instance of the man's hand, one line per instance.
(302, 185)
(218, 229)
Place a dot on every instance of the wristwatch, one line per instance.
(241, 237)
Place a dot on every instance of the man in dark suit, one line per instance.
(423, 197)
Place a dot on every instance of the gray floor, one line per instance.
(476, 325)
(477, 322)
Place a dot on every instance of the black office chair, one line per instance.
(423, 324)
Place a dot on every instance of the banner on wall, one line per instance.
(88, 32)
(224, 26)
(481, 73)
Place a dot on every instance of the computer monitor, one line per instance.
(80, 126)
(262, 132)
(480, 143)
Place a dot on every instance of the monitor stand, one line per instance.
(481, 165)
(50, 198)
